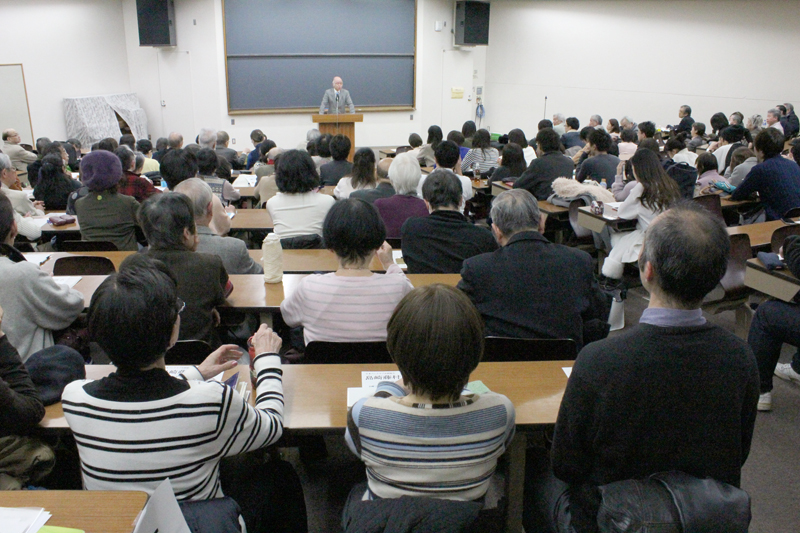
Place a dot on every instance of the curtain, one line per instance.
(90, 119)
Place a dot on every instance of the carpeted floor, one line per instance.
(769, 476)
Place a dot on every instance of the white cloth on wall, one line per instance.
(92, 118)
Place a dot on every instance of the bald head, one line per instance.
(11, 135)
(175, 140)
(337, 83)
(383, 168)
(201, 196)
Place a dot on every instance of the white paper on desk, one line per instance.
(37, 257)
(370, 379)
(245, 180)
(177, 370)
(231, 215)
(41, 222)
(356, 393)
(613, 205)
(567, 370)
(397, 255)
(69, 281)
(22, 519)
(162, 513)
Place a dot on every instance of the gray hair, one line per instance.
(775, 112)
(5, 162)
(405, 174)
(223, 137)
(514, 211)
(559, 116)
(175, 140)
(199, 193)
(627, 119)
(755, 121)
(207, 138)
(597, 118)
(789, 107)
(313, 135)
(139, 161)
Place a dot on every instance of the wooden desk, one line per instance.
(252, 220)
(387, 152)
(596, 223)
(67, 230)
(728, 204)
(780, 284)
(328, 189)
(760, 233)
(499, 187)
(480, 185)
(91, 511)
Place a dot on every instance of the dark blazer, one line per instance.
(538, 178)
(532, 288)
(439, 243)
(685, 126)
(331, 173)
(383, 190)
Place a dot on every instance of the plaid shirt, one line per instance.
(136, 186)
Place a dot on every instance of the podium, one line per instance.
(343, 123)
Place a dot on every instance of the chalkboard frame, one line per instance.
(313, 109)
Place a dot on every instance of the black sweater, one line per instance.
(20, 406)
(655, 399)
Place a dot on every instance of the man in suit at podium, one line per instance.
(336, 100)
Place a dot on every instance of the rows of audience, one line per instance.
(671, 393)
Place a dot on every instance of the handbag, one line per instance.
(61, 220)
(672, 502)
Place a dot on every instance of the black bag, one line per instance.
(684, 175)
(219, 515)
(673, 502)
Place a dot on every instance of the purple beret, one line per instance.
(100, 170)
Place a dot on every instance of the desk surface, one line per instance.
(760, 233)
(91, 511)
(251, 220)
(316, 395)
(246, 192)
(781, 284)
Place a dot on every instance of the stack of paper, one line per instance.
(37, 257)
(177, 370)
(23, 519)
(369, 382)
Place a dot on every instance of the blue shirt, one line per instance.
(777, 182)
(672, 318)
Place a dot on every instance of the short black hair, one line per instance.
(414, 140)
(732, 134)
(128, 140)
(435, 337)
(627, 135)
(353, 229)
(435, 136)
(6, 216)
(457, 137)
(601, 140)
(545, 123)
(163, 217)
(674, 144)
(718, 121)
(482, 139)
(468, 129)
(585, 132)
(573, 123)
(513, 159)
(648, 129)
(447, 154)
(108, 144)
(207, 162)
(162, 143)
(177, 165)
(296, 172)
(144, 145)
(340, 147)
(769, 142)
(324, 145)
(442, 188)
(689, 249)
(144, 298)
(687, 110)
(700, 128)
(517, 136)
(126, 157)
(548, 141)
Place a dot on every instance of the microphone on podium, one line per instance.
(337, 103)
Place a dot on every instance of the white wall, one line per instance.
(643, 58)
(67, 49)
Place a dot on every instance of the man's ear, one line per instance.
(210, 209)
(542, 222)
(428, 205)
(498, 235)
(648, 273)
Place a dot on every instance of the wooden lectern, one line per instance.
(343, 123)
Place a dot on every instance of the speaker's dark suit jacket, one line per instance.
(532, 288)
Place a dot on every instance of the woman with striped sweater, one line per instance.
(139, 425)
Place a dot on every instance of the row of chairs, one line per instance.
(496, 349)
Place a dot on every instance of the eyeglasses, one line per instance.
(180, 305)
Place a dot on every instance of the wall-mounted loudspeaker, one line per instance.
(156, 22)
(472, 23)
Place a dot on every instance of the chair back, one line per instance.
(87, 246)
(505, 349)
(319, 352)
(402, 149)
(190, 352)
(83, 265)
(712, 203)
(396, 244)
(780, 234)
(580, 231)
(792, 213)
(302, 242)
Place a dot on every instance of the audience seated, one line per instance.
(35, 305)
(383, 186)
(774, 119)
(362, 175)
(530, 287)
(790, 122)
(395, 210)
(104, 213)
(22, 406)
(146, 148)
(132, 184)
(627, 145)
(232, 251)
(256, 137)
(742, 162)
(266, 187)
(655, 192)
(558, 123)
(237, 162)
(44, 146)
(624, 182)
(599, 165)
(613, 129)
(162, 144)
(698, 136)
(298, 209)
(199, 424)
(436, 340)
(440, 242)
(352, 304)
(685, 114)
(54, 185)
(447, 157)
(707, 174)
(517, 136)
(168, 223)
(468, 130)
(551, 164)
(579, 155)
(207, 164)
(672, 393)
(775, 179)
(265, 165)
(512, 165)
(677, 151)
(323, 145)
(596, 122)
(647, 130)
(730, 139)
(19, 156)
(483, 156)
(426, 151)
(19, 199)
(627, 123)
(208, 139)
(331, 173)
(718, 122)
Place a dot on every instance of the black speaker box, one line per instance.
(156, 22)
(472, 23)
